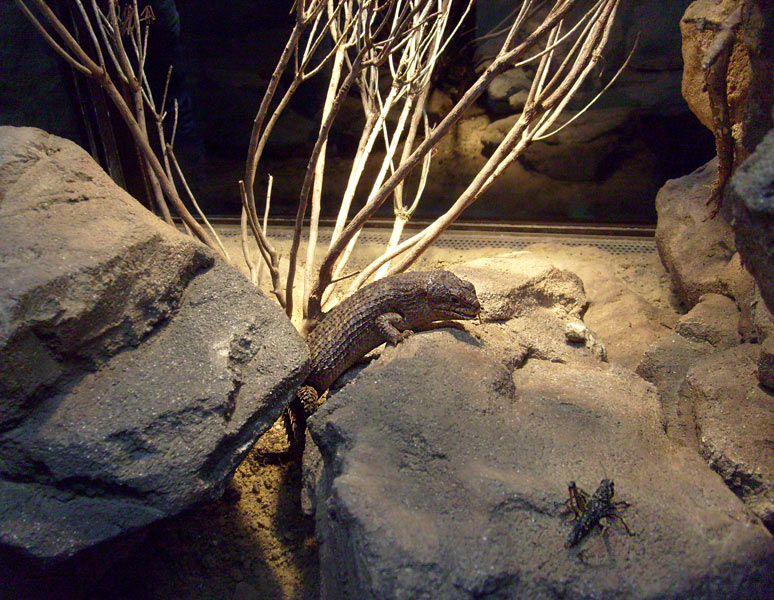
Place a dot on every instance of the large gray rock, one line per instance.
(751, 201)
(735, 423)
(442, 479)
(138, 368)
(694, 246)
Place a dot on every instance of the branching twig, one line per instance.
(75, 55)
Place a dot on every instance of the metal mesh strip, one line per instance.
(471, 240)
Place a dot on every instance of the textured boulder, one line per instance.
(763, 320)
(750, 75)
(514, 285)
(741, 286)
(665, 365)
(623, 319)
(713, 320)
(766, 364)
(694, 246)
(735, 423)
(138, 368)
(750, 197)
(527, 305)
(708, 327)
(699, 26)
(441, 479)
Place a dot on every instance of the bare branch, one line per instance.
(73, 62)
(501, 63)
(270, 257)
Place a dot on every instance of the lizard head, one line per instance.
(452, 297)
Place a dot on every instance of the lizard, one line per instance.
(387, 310)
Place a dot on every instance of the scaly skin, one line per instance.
(387, 310)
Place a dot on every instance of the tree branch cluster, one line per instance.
(387, 51)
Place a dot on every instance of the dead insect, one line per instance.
(590, 511)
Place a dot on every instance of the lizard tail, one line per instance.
(302, 406)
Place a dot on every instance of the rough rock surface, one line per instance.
(750, 75)
(694, 247)
(623, 319)
(527, 305)
(713, 320)
(140, 369)
(763, 320)
(708, 327)
(751, 200)
(741, 286)
(665, 365)
(699, 26)
(735, 423)
(514, 285)
(442, 479)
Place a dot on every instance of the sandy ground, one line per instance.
(255, 542)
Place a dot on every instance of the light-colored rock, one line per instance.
(578, 333)
(527, 306)
(714, 320)
(518, 100)
(624, 321)
(664, 365)
(506, 85)
(439, 103)
(138, 368)
(513, 285)
(735, 421)
(694, 246)
(442, 479)
(708, 327)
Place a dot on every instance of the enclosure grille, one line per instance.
(477, 240)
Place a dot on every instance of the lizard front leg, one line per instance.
(387, 324)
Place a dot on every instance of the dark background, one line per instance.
(223, 56)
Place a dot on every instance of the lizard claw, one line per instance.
(407, 333)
